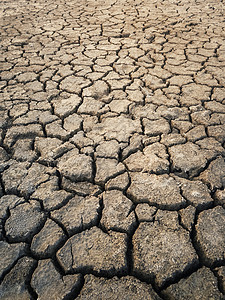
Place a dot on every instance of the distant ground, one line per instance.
(112, 134)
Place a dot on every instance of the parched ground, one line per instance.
(112, 133)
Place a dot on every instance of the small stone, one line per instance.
(46, 242)
(9, 254)
(117, 214)
(156, 127)
(145, 212)
(116, 288)
(159, 190)
(25, 220)
(187, 159)
(163, 249)
(120, 182)
(187, 216)
(214, 175)
(107, 168)
(14, 285)
(47, 282)
(210, 237)
(200, 285)
(78, 214)
(96, 251)
(77, 167)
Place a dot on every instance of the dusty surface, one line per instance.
(112, 132)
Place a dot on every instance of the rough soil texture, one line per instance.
(112, 149)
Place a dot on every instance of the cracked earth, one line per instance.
(112, 134)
